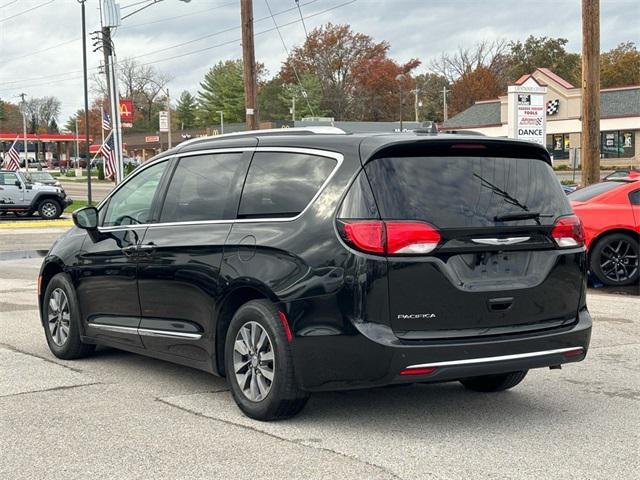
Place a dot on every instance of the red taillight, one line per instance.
(367, 236)
(417, 371)
(411, 238)
(568, 232)
(390, 237)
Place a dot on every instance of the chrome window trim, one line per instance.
(146, 331)
(500, 358)
(338, 157)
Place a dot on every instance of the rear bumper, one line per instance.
(375, 357)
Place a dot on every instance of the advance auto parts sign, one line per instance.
(530, 117)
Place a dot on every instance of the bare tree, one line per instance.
(40, 112)
(493, 55)
(141, 83)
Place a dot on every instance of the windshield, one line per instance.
(40, 177)
(455, 192)
(587, 193)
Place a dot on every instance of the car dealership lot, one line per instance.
(118, 415)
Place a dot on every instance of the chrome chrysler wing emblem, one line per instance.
(500, 241)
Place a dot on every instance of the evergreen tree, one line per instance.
(186, 110)
(222, 90)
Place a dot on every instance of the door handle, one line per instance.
(147, 249)
(130, 250)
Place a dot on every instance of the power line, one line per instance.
(173, 57)
(26, 11)
(167, 19)
(43, 50)
(304, 26)
(9, 3)
(209, 35)
(295, 70)
(171, 47)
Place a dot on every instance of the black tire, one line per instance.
(284, 399)
(49, 209)
(494, 383)
(72, 347)
(603, 256)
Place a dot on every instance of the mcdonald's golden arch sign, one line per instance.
(126, 112)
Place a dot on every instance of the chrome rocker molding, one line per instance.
(501, 358)
(146, 332)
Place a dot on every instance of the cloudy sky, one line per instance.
(40, 40)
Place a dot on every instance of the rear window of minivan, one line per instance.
(457, 191)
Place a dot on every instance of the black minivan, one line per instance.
(302, 260)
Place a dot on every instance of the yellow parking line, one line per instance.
(62, 222)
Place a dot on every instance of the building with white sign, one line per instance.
(545, 100)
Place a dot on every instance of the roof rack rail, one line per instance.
(270, 132)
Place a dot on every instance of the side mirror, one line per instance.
(86, 218)
(18, 183)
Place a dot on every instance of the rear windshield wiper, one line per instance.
(520, 216)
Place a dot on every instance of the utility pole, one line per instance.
(590, 141)
(415, 105)
(249, 64)
(221, 112)
(24, 130)
(169, 119)
(293, 109)
(445, 112)
(77, 145)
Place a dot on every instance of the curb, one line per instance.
(64, 222)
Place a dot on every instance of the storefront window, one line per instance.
(617, 144)
(558, 146)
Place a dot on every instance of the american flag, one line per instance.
(106, 121)
(12, 158)
(109, 156)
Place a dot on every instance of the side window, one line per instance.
(634, 197)
(281, 184)
(9, 179)
(131, 204)
(205, 187)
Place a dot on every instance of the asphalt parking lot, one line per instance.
(119, 415)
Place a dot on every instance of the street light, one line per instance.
(221, 121)
(400, 79)
(86, 99)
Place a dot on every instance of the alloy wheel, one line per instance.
(59, 317)
(619, 261)
(49, 210)
(253, 361)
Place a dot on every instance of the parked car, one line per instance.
(610, 213)
(34, 163)
(125, 160)
(626, 172)
(22, 198)
(41, 178)
(567, 189)
(303, 260)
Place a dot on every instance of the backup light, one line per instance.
(568, 232)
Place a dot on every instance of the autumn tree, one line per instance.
(472, 86)
(40, 112)
(332, 53)
(10, 117)
(536, 52)
(378, 81)
(186, 110)
(95, 121)
(620, 66)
